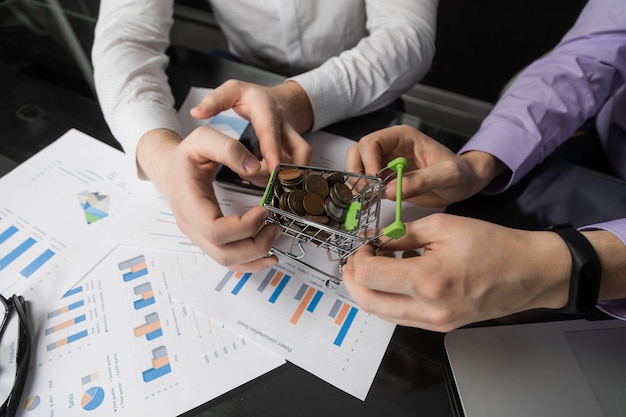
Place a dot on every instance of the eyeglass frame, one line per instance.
(18, 304)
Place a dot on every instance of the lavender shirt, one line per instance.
(584, 76)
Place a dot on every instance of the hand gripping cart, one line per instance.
(340, 240)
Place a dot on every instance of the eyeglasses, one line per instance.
(19, 355)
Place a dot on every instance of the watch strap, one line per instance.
(586, 273)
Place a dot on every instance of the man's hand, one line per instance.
(434, 177)
(183, 171)
(470, 271)
(279, 115)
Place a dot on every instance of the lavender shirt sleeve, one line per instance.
(554, 96)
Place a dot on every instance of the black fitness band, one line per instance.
(584, 285)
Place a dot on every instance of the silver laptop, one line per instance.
(566, 368)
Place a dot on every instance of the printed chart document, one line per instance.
(120, 343)
(289, 310)
(53, 212)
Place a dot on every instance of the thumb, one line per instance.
(208, 144)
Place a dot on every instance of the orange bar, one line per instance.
(342, 313)
(303, 304)
(138, 267)
(147, 328)
(276, 279)
(147, 294)
(63, 325)
(160, 362)
(238, 275)
(61, 342)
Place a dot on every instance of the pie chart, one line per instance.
(92, 398)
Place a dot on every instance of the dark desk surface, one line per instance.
(412, 377)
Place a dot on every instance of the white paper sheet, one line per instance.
(289, 310)
(119, 343)
(52, 207)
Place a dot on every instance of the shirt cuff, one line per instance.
(328, 101)
(614, 308)
(138, 119)
(518, 155)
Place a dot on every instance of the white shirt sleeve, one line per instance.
(347, 76)
(129, 61)
(395, 55)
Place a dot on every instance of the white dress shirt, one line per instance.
(350, 56)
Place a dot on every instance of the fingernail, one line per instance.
(251, 165)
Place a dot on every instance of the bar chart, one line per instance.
(160, 365)
(67, 325)
(146, 296)
(151, 329)
(289, 310)
(133, 268)
(24, 249)
(304, 299)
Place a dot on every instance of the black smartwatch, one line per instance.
(584, 285)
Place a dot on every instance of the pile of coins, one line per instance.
(320, 198)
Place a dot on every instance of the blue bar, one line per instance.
(152, 374)
(37, 263)
(15, 253)
(77, 336)
(129, 276)
(8, 233)
(141, 303)
(224, 280)
(80, 319)
(76, 304)
(241, 283)
(154, 334)
(316, 299)
(346, 325)
(73, 291)
(279, 288)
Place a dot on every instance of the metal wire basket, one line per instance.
(361, 223)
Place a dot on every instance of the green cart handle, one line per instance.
(397, 229)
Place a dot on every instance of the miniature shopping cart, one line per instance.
(359, 227)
